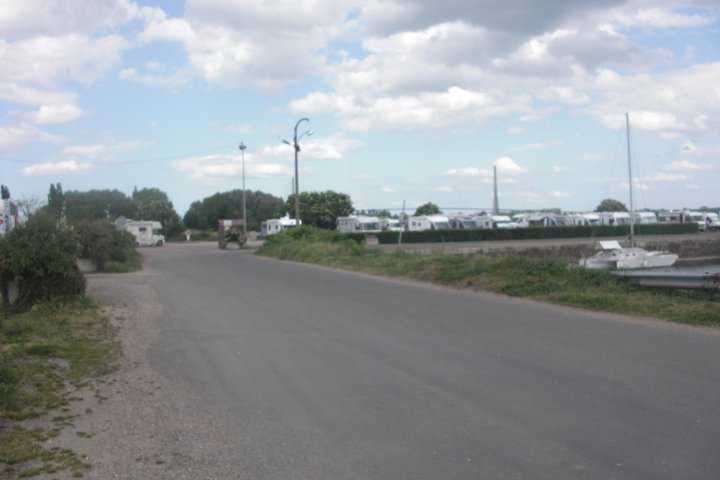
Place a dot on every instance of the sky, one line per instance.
(408, 101)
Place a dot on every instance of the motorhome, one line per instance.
(358, 224)
(580, 219)
(277, 225)
(428, 222)
(712, 222)
(146, 232)
(494, 221)
(693, 217)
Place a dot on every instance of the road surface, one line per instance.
(321, 374)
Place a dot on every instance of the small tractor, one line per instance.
(231, 231)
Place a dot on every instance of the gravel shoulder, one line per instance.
(135, 423)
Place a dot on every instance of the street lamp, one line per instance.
(296, 146)
(242, 148)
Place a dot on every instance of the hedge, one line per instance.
(536, 233)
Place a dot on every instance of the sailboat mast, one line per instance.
(630, 180)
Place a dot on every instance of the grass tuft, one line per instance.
(43, 350)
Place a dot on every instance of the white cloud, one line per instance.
(468, 172)
(223, 166)
(58, 113)
(685, 165)
(161, 78)
(666, 177)
(335, 147)
(559, 194)
(43, 61)
(662, 18)
(537, 146)
(16, 136)
(28, 18)
(443, 189)
(507, 165)
(105, 150)
(55, 168)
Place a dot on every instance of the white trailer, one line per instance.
(358, 224)
(277, 225)
(391, 225)
(494, 221)
(428, 222)
(463, 222)
(614, 218)
(644, 218)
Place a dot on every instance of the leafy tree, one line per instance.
(260, 206)
(40, 257)
(611, 205)
(4, 192)
(427, 209)
(56, 202)
(147, 195)
(321, 209)
(164, 212)
(97, 205)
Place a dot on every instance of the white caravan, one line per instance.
(428, 222)
(494, 221)
(277, 225)
(462, 222)
(358, 224)
(644, 218)
(614, 218)
(529, 220)
(391, 225)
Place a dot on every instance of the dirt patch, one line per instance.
(135, 423)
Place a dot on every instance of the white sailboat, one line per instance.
(613, 255)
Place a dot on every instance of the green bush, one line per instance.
(95, 239)
(40, 256)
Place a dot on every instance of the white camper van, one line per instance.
(277, 225)
(428, 222)
(358, 224)
(146, 232)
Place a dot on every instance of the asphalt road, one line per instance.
(321, 374)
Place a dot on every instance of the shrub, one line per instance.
(96, 240)
(40, 257)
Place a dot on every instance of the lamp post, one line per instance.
(296, 146)
(242, 148)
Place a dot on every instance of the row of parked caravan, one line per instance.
(370, 224)
(367, 224)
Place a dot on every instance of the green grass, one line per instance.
(42, 352)
(547, 280)
(132, 262)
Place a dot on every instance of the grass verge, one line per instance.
(546, 280)
(44, 353)
(132, 262)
